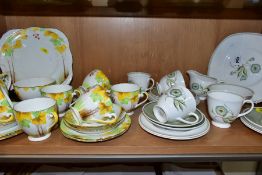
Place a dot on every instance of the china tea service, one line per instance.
(98, 110)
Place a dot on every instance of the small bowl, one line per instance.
(30, 88)
(246, 93)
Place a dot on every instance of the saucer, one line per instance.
(174, 135)
(148, 113)
(10, 132)
(103, 136)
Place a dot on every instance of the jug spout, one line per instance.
(192, 73)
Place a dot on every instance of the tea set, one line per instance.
(98, 111)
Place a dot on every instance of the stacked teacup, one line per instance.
(93, 116)
(173, 111)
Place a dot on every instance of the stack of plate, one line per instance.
(9, 130)
(253, 120)
(153, 94)
(90, 131)
(173, 130)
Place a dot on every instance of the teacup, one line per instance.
(173, 79)
(6, 110)
(96, 100)
(177, 103)
(30, 88)
(199, 83)
(62, 94)
(128, 95)
(96, 77)
(36, 117)
(141, 79)
(225, 107)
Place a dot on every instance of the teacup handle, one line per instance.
(79, 91)
(153, 83)
(54, 116)
(76, 115)
(248, 111)
(9, 119)
(189, 122)
(142, 95)
(106, 122)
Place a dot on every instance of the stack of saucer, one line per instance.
(91, 131)
(176, 130)
(8, 124)
(9, 130)
(253, 120)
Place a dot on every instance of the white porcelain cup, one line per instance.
(177, 103)
(141, 79)
(225, 107)
(173, 79)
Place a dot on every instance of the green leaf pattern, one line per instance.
(242, 71)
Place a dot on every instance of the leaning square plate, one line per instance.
(238, 60)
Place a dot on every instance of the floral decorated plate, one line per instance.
(174, 135)
(255, 117)
(149, 114)
(36, 52)
(250, 125)
(10, 132)
(103, 136)
(238, 60)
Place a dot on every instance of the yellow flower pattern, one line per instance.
(3, 109)
(23, 116)
(56, 96)
(41, 119)
(44, 50)
(61, 49)
(2, 96)
(102, 79)
(103, 109)
(126, 98)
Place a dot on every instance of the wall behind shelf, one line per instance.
(155, 45)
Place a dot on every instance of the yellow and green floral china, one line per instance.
(95, 101)
(36, 117)
(10, 131)
(91, 126)
(62, 94)
(5, 82)
(36, 52)
(96, 77)
(120, 129)
(30, 88)
(128, 95)
(6, 111)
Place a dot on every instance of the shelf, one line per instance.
(212, 9)
(136, 145)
